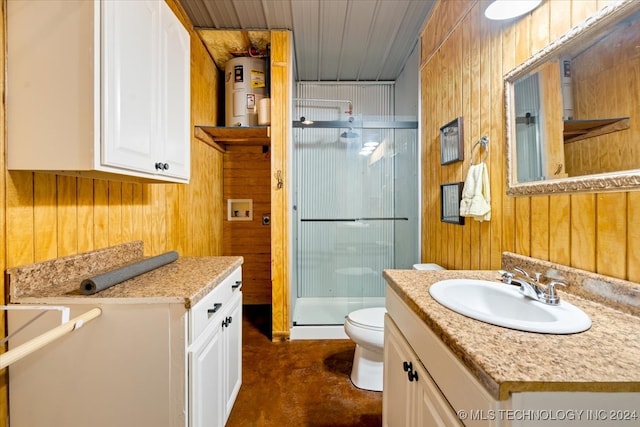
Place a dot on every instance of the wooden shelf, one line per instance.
(220, 137)
(576, 130)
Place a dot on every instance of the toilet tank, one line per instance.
(428, 266)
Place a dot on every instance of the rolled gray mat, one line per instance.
(106, 280)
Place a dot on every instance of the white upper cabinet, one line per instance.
(98, 89)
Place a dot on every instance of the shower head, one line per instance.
(350, 134)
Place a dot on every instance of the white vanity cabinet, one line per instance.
(426, 384)
(440, 385)
(215, 354)
(103, 93)
(144, 362)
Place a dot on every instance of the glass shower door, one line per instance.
(344, 216)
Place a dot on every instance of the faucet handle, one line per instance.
(506, 276)
(550, 295)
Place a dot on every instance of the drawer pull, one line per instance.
(237, 285)
(407, 366)
(412, 375)
(215, 308)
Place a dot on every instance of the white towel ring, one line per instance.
(484, 143)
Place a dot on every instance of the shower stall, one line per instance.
(355, 211)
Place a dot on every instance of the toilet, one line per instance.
(428, 266)
(365, 327)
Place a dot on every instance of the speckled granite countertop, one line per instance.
(185, 280)
(605, 358)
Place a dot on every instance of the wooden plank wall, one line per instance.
(462, 74)
(281, 95)
(247, 176)
(47, 216)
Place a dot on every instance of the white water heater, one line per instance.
(567, 90)
(245, 86)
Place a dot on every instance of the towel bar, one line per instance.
(484, 143)
(51, 335)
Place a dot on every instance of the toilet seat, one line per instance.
(366, 328)
(368, 318)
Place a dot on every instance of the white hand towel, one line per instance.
(476, 195)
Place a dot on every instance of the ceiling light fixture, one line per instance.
(509, 9)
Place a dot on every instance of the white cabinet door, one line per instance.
(146, 89)
(175, 93)
(396, 398)
(411, 398)
(233, 352)
(130, 84)
(205, 373)
(431, 407)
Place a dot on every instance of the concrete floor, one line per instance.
(298, 383)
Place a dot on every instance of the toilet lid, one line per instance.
(368, 317)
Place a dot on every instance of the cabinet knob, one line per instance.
(407, 366)
(162, 166)
(412, 375)
(237, 284)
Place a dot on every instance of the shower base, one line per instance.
(323, 318)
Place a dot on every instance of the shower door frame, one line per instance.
(358, 125)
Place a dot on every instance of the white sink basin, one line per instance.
(504, 305)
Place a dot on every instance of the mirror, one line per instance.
(572, 109)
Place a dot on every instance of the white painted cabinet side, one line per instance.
(125, 368)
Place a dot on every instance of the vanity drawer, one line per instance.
(208, 310)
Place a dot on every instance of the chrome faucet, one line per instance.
(531, 286)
